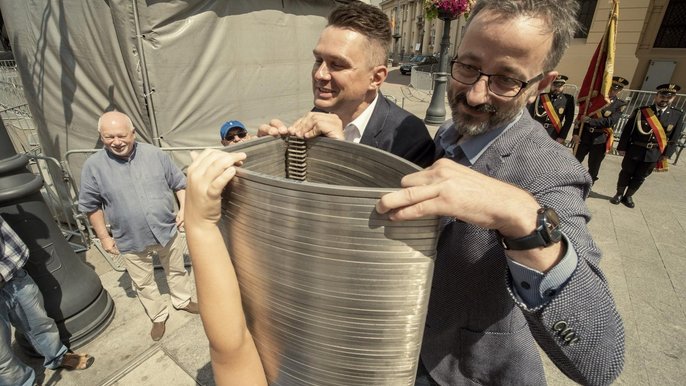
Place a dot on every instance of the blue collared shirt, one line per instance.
(534, 288)
(136, 194)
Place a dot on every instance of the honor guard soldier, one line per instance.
(648, 139)
(555, 110)
(594, 135)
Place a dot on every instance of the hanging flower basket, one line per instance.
(447, 9)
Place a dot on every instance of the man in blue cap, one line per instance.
(233, 132)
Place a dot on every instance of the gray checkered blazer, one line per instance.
(477, 332)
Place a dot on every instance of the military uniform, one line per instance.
(641, 145)
(598, 129)
(563, 107)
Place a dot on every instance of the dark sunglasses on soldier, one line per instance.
(239, 134)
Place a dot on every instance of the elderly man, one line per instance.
(649, 137)
(21, 306)
(516, 264)
(132, 186)
(595, 137)
(349, 69)
(554, 110)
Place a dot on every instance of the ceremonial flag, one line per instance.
(594, 91)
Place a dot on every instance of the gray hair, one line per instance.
(129, 123)
(559, 15)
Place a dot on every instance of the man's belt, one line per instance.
(595, 129)
(647, 145)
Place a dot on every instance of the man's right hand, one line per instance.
(312, 124)
(109, 245)
(575, 139)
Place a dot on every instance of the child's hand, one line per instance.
(208, 174)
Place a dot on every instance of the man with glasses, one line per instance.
(516, 265)
(554, 110)
(648, 139)
(594, 137)
(232, 132)
(349, 69)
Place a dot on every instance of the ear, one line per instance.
(548, 78)
(379, 74)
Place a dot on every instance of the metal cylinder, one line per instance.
(72, 292)
(334, 293)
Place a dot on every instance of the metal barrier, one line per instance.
(421, 80)
(116, 261)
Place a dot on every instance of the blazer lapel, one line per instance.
(503, 146)
(376, 122)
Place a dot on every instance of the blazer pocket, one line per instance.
(491, 358)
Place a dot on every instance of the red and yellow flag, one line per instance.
(594, 91)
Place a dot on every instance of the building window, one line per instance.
(585, 17)
(672, 33)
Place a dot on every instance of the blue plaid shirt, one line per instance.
(13, 252)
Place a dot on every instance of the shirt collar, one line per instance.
(473, 147)
(361, 121)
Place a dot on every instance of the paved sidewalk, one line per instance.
(644, 259)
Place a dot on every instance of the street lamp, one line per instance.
(435, 114)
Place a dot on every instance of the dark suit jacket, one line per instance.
(672, 120)
(564, 107)
(609, 116)
(477, 329)
(399, 132)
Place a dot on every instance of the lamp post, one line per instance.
(435, 114)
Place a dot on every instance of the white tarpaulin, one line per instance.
(206, 62)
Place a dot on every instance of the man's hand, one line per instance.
(312, 124)
(560, 140)
(315, 124)
(208, 174)
(621, 152)
(575, 139)
(109, 245)
(180, 220)
(449, 189)
(275, 128)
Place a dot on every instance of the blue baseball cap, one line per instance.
(230, 125)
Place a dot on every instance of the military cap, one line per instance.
(668, 88)
(619, 82)
(561, 79)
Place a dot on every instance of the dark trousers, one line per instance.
(633, 173)
(596, 154)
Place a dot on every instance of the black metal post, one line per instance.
(72, 292)
(435, 114)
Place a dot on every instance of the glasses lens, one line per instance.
(464, 73)
(504, 85)
(240, 134)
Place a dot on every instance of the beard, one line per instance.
(469, 125)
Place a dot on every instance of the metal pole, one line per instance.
(435, 114)
(147, 90)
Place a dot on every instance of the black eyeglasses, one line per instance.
(500, 85)
(240, 134)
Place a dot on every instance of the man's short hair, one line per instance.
(369, 21)
(559, 15)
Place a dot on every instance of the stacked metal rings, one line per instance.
(334, 293)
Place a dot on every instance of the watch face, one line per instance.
(552, 224)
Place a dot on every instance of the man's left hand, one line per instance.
(179, 220)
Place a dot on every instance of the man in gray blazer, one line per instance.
(349, 69)
(516, 265)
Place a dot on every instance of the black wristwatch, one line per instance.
(547, 233)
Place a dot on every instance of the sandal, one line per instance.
(74, 361)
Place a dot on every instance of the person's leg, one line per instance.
(581, 151)
(141, 270)
(12, 370)
(595, 158)
(641, 172)
(28, 316)
(171, 258)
